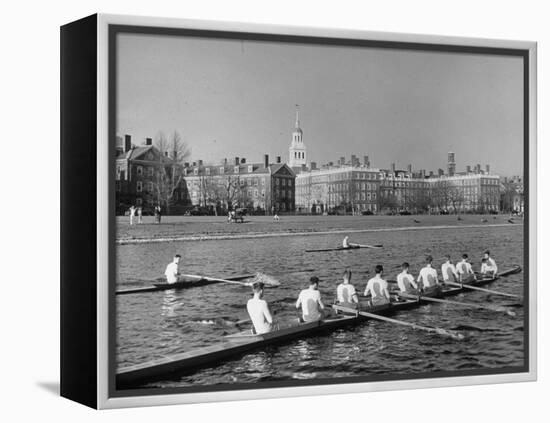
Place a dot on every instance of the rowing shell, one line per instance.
(186, 283)
(239, 343)
(351, 247)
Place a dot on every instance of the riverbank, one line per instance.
(203, 228)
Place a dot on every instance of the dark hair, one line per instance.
(177, 255)
(484, 260)
(448, 256)
(487, 252)
(429, 259)
(347, 274)
(464, 255)
(313, 280)
(405, 264)
(379, 268)
(257, 286)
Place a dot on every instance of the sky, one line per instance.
(232, 98)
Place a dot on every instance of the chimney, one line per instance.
(186, 164)
(194, 164)
(330, 163)
(366, 161)
(313, 165)
(200, 162)
(431, 173)
(468, 169)
(266, 160)
(487, 168)
(224, 161)
(478, 168)
(278, 159)
(127, 143)
(409, 168)
(393, 168)
(423, 173)
(236, 161)
(243, 160)
(354, 161)
(342, 161)
(166, 154)
(148, 141)
(440, 172)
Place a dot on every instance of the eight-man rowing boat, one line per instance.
(239, 343)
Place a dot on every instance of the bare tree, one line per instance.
(170, 172)
(456, 198)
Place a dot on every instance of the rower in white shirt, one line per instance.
(464, 269)
(258, 310)
(448, 270)
(491, 267)
(405, 281)
(310, 301)
(428, 276)
(172, 271)
(345, 292)
(378, 288)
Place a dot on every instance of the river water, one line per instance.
(157, 324)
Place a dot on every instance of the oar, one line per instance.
(206, 278)
(440, 331)
(368, 246)
(477, 288)
(498, 309)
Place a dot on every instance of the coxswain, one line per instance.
(491, 267)
(464, 269)
(428, 276)
(378, 288)
(258, 310)
(448, 270)
(405, 281)
(310, 301)
(345, 292)
(172, 271)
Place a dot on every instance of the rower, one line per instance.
(405, 281)
(448, 270)
(258, 310)
(378, 288)
(491, 267)
(465, 271)
(345, 292)
(428, 276)
(310, 301)
(172, 270)
(345, 242)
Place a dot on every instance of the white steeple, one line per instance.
(297, 150)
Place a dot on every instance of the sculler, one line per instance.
(258, 310)
(491, 268)
(465, 271)
(448, 270)
(345, 292)
(378, 288)
(428, 276)
(310, 301)
(405, 281)
(172, 271)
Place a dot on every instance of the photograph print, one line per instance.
(298, 211)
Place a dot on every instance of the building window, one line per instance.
(196, 171)
(250, 168)
(151, 171)
(207, 170)
(117, 185)
(277, 182)
(139, 186)
(222, 170)
(150, 187)
(139, 170)
(139, 201)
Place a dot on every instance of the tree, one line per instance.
(170, 172)
(456, 198)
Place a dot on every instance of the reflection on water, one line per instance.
(157, 324)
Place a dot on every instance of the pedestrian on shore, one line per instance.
(140, 215)
(159, 213)
(132, 214)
